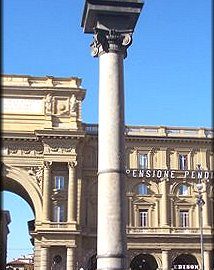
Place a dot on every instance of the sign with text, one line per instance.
(171, 174)
(185, 266)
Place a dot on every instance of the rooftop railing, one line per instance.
(158, 131)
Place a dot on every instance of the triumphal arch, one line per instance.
(49, 158)
(42, 144)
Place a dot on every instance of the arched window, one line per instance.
(142, 189)
(183, 190)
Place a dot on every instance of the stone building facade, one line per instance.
(50, 160)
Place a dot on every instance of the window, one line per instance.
(143, 161)
(142, 189)
(182, 162)
(183, 190)
(58, 213)
(59, 182)
(184, 218)
(143, 215)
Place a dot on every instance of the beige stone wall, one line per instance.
(44, 137)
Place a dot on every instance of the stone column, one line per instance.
(165, 260)
(46, 191)
(111, 245)
(207, 263)
(71, 265)
(130, 211)
(113, 23)
(44, 258)
(164, 203)
(72, 192)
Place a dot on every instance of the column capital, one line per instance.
(112, 40)
(72, 164)
(47, 164)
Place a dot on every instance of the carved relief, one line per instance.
(37, 173)
(23, 148)
(59, 146)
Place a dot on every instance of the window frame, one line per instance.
(184, 218)
(183, 162)
(144, 218)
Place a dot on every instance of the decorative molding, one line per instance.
(110, 41)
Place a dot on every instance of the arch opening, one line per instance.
(185, 261)
(19, 241)
(144, 262)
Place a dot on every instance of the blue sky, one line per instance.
(167, 71)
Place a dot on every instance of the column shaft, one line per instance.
(70, 258)
(164, 204)
(165, 260)
(72, 193)
(111, 243)
(130, 211)
(207, 264)
(46, 192)
(44, 258)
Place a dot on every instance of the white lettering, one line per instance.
(206, 175)
(134, 173)
(166, 174)
(148, 173)
(200, 175)
(159, 174)
(193, 174)
(186, 173)
(141, 173)
(185, 266)
(172, 174)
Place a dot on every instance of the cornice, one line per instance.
(167, 139)
(66, 134)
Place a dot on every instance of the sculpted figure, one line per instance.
(73, 103)
(48, 103)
